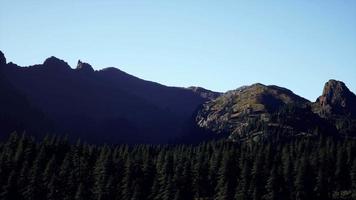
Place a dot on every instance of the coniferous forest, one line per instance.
(298, 168)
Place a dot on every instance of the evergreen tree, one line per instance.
(353, 179)
(273, 186)
(243, 183)
(321, 187)
(257, 178)
(299, 168)
(10, 190)
(303, 182)
(101, 174)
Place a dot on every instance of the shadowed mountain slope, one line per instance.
(106, 105)
(111, 106)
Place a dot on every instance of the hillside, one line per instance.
(260, 110)
(111, 106)
(107, 105)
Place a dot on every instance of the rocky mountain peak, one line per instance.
(336, 99)
(2, 58)
(334, 92)
(231, 111)
(56, 64)
(84, 67)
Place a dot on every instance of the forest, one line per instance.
(296, 168)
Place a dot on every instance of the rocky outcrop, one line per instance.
(84, 67)
(2, 59)
(251, 110)
(336, 99)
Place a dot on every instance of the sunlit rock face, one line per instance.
(336, 99)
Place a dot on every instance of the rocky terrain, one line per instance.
(259, 110)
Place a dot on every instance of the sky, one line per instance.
(218, 45)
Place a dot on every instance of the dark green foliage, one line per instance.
(353, 179)
(300, 168)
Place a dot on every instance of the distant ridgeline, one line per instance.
(111, 106)
(105, 106)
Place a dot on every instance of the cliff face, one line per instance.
(335, 100)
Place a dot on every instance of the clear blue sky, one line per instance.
(219, 45)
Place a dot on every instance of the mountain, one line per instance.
(111, 106)
(107, 105)
(337, 104)
(260, 110)
(336, 99)
(16, 112)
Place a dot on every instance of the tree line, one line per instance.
(299, 168)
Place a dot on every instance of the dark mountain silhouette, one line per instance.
(106, 105)
(16, 112)
(111, 106)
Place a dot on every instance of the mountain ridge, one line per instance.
(127, 108)
(273, 107)
(112, 106)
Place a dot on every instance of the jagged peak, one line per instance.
(336, 99)
(2, 58)
(84, 67)
(56, 63)
(335, 93)
(334, 88)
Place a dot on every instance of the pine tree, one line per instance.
(48, 173)
(288, 192)
(10, 190)
(222, 190)
(243, 182)
(257, 179)
(321, 187)
(353, 179)
(79, 194)
(100, 174)
(200, 176)
(33, 190)
(303, 180)
(273, 186)
(168, 193)
(341, 172)
(186, 188)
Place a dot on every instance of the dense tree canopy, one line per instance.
(299, 168)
